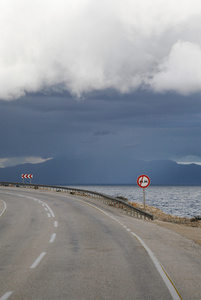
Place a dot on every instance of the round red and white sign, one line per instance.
(143, 181)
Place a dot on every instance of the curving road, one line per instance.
(59, 246)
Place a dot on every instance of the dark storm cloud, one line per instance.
(102, 132)
(140, 125)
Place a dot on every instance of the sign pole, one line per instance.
(144, 199)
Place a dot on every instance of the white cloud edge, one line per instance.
(188, 160)
(83, 46)
(14, 161)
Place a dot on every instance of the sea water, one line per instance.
(182, 201)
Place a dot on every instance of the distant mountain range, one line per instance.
(62, 171)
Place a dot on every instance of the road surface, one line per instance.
(61, 246)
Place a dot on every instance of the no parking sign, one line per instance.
(143, 181)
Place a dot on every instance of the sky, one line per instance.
(105, 80)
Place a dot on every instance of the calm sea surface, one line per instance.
(183, 201)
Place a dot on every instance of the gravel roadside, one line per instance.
(189, 228)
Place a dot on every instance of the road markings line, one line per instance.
(49, 216)
(35, 199)
(38, 260)
(97, 208)
(55, 224)
(6, 295)
(40, 201)
(4, 209)
(52, 238)
(164, 275)
(47, 206)
(51, 212)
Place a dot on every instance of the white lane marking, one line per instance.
(164, 275)
(43, 203)
(6, 295)
(55, 224)
(35, 199)
(37, 261)
(51, 212)
(52, 238)
(46, 209)
(166, 278)
(49, 216)
(46, 205)
(4, 209)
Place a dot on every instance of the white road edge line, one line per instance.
(164, 275)
(166, 278)
(37, 261)
(5, 207)
(6, 295)
(52, 238)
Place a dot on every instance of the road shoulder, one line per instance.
(190, 232)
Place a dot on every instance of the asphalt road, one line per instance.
(60, 246)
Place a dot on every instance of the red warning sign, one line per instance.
(143, 181)
(27, 176)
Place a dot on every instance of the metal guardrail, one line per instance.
(112, 201)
